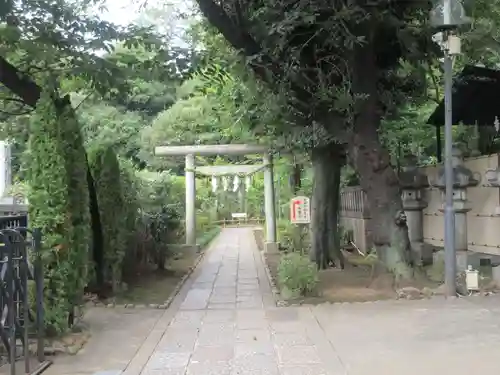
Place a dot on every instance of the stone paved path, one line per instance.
(225, 322)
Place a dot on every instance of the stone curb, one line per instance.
(168, 302)
(278, 299)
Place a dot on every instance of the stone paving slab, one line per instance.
(414, 337)
(116, 336)
(224, 322)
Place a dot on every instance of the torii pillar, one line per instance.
(210, 150)
(269, 202)
(189, 172)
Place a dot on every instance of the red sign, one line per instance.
(300, 211)
(295, 203)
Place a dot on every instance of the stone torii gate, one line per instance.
(235, 149)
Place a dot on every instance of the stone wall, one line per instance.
(481, 204)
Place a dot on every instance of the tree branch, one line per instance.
(238, 38)
(18, 83)
(10, 113)
(242, 41)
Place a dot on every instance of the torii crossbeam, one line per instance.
(233, 149)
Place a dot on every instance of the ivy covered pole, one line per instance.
(190, 200)
(447, 16)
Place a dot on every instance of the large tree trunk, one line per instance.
(380, 183)
(327, 163)
(377, 178)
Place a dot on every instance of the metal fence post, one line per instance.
(11, 314)
(38, 276)
(23, 272)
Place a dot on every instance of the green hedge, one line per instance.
(133, 224)
(58, 196)
(112, 211)
(76, 170)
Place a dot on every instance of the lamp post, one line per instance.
(447, 16)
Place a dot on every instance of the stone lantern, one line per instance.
(412, 182)
(493, 177)
(463, 178)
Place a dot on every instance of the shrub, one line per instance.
(294, 238)
(160, 213)
(79, 202)
(131, 207)
(163, 227)
(207, 237)
(297, 276)
(112, 211)
(203, 223)
(58, 197)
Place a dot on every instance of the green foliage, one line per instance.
(161, 210)
(160, 189)
(58, 199)
(109, 126)
(198, 119)
(293, 238)
(130, 191)
(76, 170)
(297, 276)
(205, 239)
(110, 198)
(131, 212)
(285, 235)
(61, 37)
(203, 223)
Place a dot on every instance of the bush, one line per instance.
(293, 238)
(208, 236)
(112, 211)
(130, 189)
(58, 197)
(203, 223)
(79, 201)
(163, 227)
(160, 211)
(297, 276)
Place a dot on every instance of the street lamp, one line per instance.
(447, 16)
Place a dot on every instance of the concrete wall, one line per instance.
(483, 220)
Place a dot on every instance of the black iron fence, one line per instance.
(21, 295)
(12, 222)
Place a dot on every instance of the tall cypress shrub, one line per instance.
(78, 198)
(131, 207)
(107, 181)
(58, 199)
